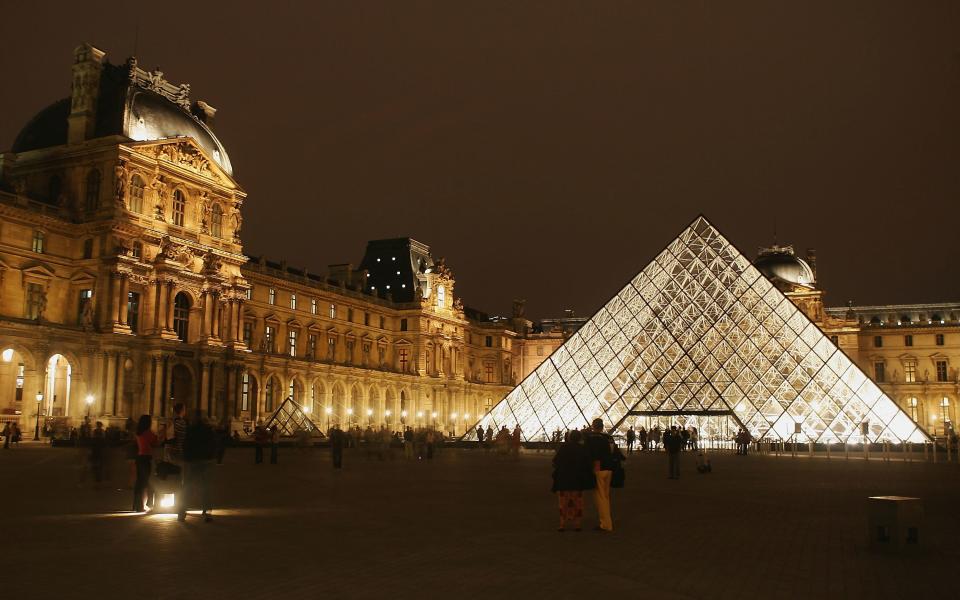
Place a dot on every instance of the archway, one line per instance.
(356, 406)
(271, 396)
(181, 388)
(390, 408)
(57, 387)
(339, 408)
(181, 315)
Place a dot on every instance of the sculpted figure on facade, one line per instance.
(237, 225)
(159, 187)
(202, 209)
(120, 182)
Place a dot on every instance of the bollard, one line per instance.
(866, 450)
(810, 448)
(846, 450)
(934, 451)
(908, 448)
(949, 454)
(926, 451)
(828, 450)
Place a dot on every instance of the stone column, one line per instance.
(156, 394)
(229, 402)
(261, 396)
(118, 397)
(122, 299)
(168, 307)
(110, 389)
(112, 314)
(205, 386)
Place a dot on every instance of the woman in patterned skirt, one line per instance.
(572, 473)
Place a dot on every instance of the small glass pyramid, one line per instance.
(290, 418)
(700, 331)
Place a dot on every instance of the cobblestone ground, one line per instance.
(473, 525)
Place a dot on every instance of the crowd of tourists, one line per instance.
(505, 442)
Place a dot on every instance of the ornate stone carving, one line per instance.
(211, 263)
(237, 225)
(159, 187)
(202, 210)
(120, 183)
(156, 82)
(174, 252)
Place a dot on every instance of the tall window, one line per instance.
(93, 190)
(908, 340)
(292, 342)
(249, 293)
(314, 306)
(181, 315)
(268, 336)
(441, 296)
(945, 409)
(350, 352)
(403, 360)
(39, 241)
(272, 296)
(293, 301)
(333, 311)
(245, 391)
(216, 221)
(914, 409)
(939, 338)
(34, 299)
(879, 372)
(269, 391)
(20, 375)
(488, 371)
(133, 310)
(403, 324)
(88, 248)
(85, 296)
(910, 372)
(179, 207)
(248, 333)
(136, 194)
(312, 346)
(331, 347)
(878, 341)
(941, 370)
(137, 250)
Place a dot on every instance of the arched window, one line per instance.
(136, 194)
(441, 296)
(181, 315)
(93, 190)
(216, 221)
(179, 207)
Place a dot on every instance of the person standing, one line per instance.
(7, 434)
(408, 443)
(599, 446)
(631, 439)
(336, 446)
(655, 437)
(274, 443)
(572, 473)
(260, 439)
(199, 452)
(97, 441)
(673, 444)
(694, 438)
(642, 434)
(146, 440)
(515, 439)
(480, 435)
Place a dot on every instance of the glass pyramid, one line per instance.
(290, 418)
(700, 331)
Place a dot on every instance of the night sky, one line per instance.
(549, 149)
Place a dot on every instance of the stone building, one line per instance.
(124, 287)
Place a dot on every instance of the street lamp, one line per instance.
(89, 404)
(36, 429)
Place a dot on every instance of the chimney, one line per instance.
(204, 112)
(87, 66)
(812, 261)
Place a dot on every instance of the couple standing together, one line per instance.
(586, 461)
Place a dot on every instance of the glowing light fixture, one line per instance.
(168, 501)
(8, 355)
(434, 414)
(349, 411)
(403, 413)
(329, 411)
(388, 413)
(419, 413)
(369, 412)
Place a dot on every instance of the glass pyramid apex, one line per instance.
(700, 331)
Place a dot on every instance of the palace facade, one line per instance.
(124, 287)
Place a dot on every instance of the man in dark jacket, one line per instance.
(599, 446)
(673, 443)
(199, 452)
(572, 473)
(336, 445)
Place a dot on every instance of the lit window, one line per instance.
(137, 188)
(245, 391)
(292, 342)
(914, 409)
(333, 311)
(268, 337)
(403, 360)
(293, 301)
(249, 293)
(272, 296)
(85, 297)
(441, 296)
(181, 315)
(34, 300)
(910, 372)
(908, 340)
(945, 409)
(331, 347)
(247, 333)
(488, 371)
(133, 310)
(312, 346)
(39, 240)
(216, 221)
(314, 306)
(269, 391)
(137, 250)
(879, 372)
(941, 370)
(93, 190)
(179, 207)
(939, 339)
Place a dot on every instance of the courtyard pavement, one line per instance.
(473, 525)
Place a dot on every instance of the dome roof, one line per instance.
(780, 263)
(126, 108)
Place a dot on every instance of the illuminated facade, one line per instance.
(124, 287)
(701, 334)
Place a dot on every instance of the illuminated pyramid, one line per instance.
(291, 418)
(700, 332)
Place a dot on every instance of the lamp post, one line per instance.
(89, 404)
(36, 429)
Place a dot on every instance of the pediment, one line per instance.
(38, 269)
(184, 153)
(82, 277)
(271, 318)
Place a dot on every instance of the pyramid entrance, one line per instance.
(700, 334)
(715, 428)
